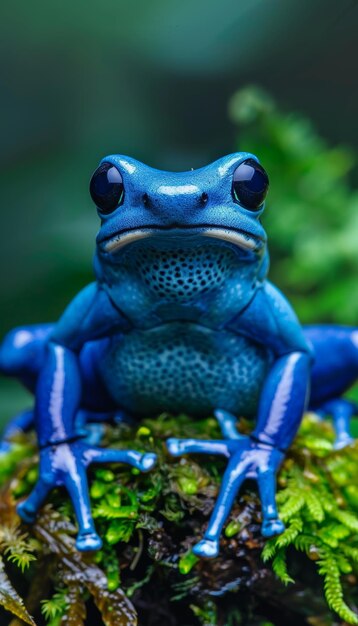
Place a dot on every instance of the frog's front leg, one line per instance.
(280, 410)
(260, 455)
(238, 449)
(63, 456)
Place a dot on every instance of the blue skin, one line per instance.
(180, 318)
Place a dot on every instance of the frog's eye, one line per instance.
(106, 188)
(250, 184)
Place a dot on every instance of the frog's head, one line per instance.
(193, 226)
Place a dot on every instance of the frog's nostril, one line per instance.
(145, 198)
(204, 197)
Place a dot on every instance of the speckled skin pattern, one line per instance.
(184, 367)
(180, 318)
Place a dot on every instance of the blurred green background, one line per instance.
(169, 82)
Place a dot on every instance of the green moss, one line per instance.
(317, 501)
(149, 522)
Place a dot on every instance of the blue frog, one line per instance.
(180, 318)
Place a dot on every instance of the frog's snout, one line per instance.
(168, 198)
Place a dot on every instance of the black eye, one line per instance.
(106, 188)
(250, 184)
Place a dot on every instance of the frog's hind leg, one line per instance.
(21, 356)
(335, 370)
(227, 423)
(90, 424)
(342, 411)
(21, 423)
(22, 353)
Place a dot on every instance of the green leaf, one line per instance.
(119, 530)
(233, 527)
(187, 562)
(189, 486)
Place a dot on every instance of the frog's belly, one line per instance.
(184, 367)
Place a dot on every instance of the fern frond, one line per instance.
(329, 569)
(305, 543)
(279, 566)
(343, 564)
(292, 506)
(347, 519)
(287, 537)
(269, 549)
(351, 552)
(332, 534)
(314, 505)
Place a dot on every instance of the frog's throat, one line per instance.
(240, 239)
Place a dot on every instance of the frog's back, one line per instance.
(184, 367)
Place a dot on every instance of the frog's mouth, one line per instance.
(238, 238)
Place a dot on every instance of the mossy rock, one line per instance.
(149, 522)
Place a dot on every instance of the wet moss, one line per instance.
(149, 523)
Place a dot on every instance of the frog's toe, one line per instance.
(89, 541)
(147, 461)
(206, 549)
(174, 446)
(342, 441)
(26, 512)
(272, 527)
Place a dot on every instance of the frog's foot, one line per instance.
(88, 541)
(27, 511)
(227, 423)
(342, 441)
(144, 462)
(206, 548)
(65, 465)
(87, 538)
(342, 411)
(272, 527)
(177, 447)
(247, 459)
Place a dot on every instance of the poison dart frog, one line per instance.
(180, 318)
